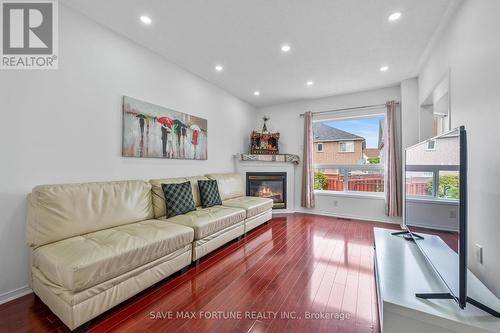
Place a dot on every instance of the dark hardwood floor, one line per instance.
(280, 278)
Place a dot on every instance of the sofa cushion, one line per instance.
(196, 191)
(253, 205)
(159, 198)
(209, 193)
(206, 221)
(231, 185)
(178, 198)
(81, 262)
(56, 212)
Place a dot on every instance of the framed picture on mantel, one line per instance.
(154, 131)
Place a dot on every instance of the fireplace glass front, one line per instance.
(268, 185)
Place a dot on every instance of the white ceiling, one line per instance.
(338, 44)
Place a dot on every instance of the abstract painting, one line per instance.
(154, 131)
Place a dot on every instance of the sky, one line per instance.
(364, 127)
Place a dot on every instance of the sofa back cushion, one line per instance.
(56, 212)
(231, 185)
(159, 197)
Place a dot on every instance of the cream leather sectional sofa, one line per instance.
(94, 245)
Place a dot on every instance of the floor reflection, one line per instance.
(296, 264)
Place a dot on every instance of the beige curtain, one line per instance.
(307, 199)
(393, 163)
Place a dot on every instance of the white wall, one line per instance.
(470, 49)
(285, 119)
(409, 112)
(65, 125)
(433, 214)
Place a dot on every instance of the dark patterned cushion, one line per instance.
(209, 193)
(178, 198)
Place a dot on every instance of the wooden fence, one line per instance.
(371, 183)
(361, 183)
(417, 189)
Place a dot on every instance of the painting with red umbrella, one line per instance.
(151, 130)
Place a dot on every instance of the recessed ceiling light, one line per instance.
(394, 16)
(256, 93)
(146, 19)
(384, 68)
(285, 48)
(219, 68)
(309, 83)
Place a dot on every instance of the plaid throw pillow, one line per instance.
(178, 198)
(209, 193)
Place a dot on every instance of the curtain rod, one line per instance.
(349, 109)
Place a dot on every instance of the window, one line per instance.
(319, 147)
(421, 184)
(432, 169)
(346, 147)
(359, 171)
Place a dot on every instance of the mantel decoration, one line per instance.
(154, 131)
(263, 142)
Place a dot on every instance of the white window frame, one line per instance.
(317, 147)
(347, 115)
(434, 169)
(344, 171)
(346, 144)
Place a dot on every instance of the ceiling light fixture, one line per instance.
(394, 16)
(256, 93)
(146, 19)
(309, 83)
(219, 68)
(384, 68)
(285, 48)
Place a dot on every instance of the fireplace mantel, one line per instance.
(283, 158)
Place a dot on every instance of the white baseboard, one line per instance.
(13, 294)
(283, 211)
(353, 217)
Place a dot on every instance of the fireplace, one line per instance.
(268, 185)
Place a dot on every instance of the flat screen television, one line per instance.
(436, 198)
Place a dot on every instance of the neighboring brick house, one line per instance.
(371, 153)
(334, 146)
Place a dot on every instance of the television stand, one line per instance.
(402, 271)
(469, 300)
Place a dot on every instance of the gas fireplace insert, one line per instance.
(268, 185)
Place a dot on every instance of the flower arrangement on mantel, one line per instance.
(264, 147)
(264, 142)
